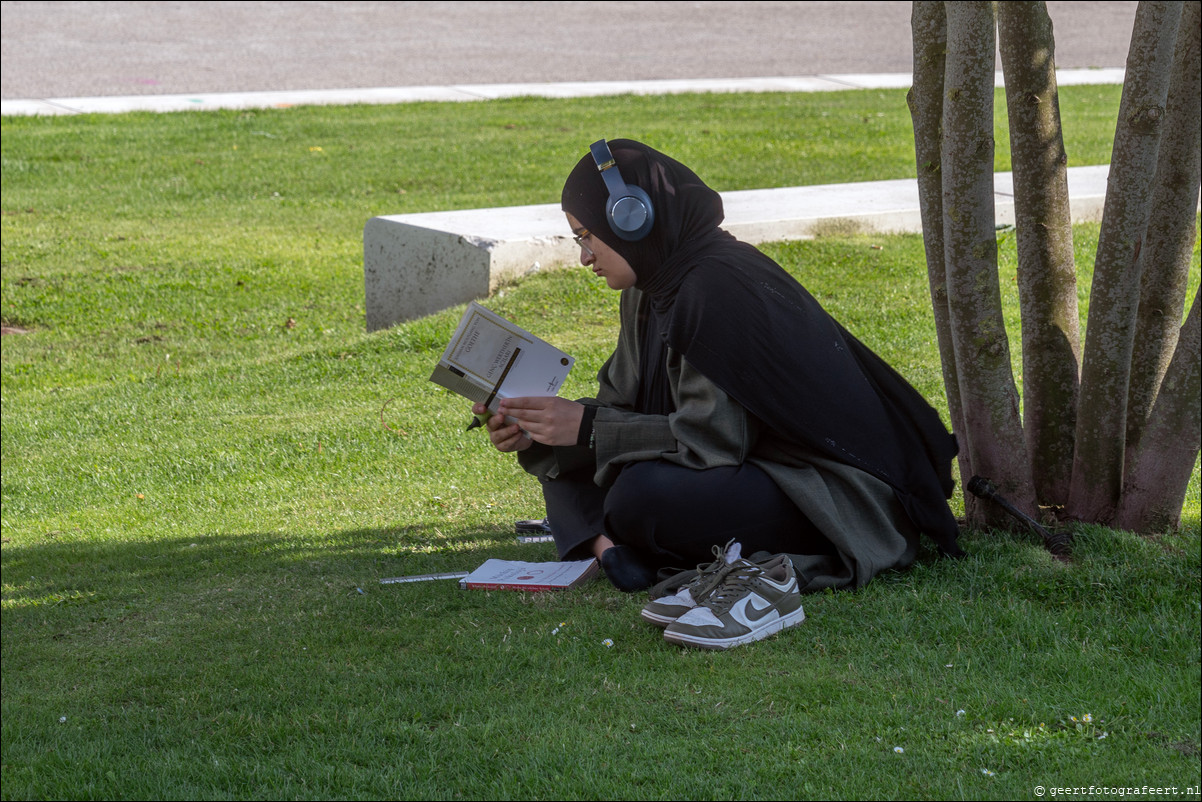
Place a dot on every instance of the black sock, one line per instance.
(626, 569)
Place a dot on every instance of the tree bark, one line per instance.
(1172, 228)
(925, 99)
(1110, 332)
(1165, 458)
(1047, 272)
(993, 429)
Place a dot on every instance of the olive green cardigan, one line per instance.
(857, 512)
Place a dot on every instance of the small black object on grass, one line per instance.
(1059, 544)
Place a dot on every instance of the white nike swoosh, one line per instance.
(750, 614)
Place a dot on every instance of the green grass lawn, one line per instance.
(209, 466)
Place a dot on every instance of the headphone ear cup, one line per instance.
(630, 215)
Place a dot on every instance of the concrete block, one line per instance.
(418, 264)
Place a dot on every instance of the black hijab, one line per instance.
(757, 333)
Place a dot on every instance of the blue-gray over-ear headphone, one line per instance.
(629, 208)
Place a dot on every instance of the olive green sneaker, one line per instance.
(751, 602)
(665, 610)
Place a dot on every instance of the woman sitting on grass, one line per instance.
(733, 407)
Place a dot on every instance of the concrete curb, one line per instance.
(473, 92)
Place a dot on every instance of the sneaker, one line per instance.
(751, 603)
(665, 610)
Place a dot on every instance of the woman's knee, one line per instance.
(642, 489)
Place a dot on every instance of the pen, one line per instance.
(480, 420)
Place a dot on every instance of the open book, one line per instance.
(490, 358)
(518, 575)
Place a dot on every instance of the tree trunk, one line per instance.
(1168, 450)
(993, 430)
(1172, 228)
(925, 99)
(1047, 272)
(1134, 404)
(1110, 333)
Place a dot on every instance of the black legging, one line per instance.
(673, 515)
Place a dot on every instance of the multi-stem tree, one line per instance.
(1109, 431)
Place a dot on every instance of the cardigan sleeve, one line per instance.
(708, 429)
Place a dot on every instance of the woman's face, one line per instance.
(604, 261)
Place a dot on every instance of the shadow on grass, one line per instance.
(63, 572)
(278, 662)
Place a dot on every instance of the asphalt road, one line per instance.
(88, 49)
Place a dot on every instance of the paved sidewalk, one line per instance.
(73, 49)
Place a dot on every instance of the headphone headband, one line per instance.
(601, 155)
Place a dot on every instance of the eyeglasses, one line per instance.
(580, 241)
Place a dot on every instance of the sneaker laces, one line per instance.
(711, 576)
(737, 579)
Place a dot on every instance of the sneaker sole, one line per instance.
(792, 619)
(658, 620)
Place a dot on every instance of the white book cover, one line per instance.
(518, 575)
(490, 358)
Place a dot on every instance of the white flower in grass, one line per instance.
(959, 714)
(1088, 719)
(988, 773)
(899, 750)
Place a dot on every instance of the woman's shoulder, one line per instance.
(734, 271)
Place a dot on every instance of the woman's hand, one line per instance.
(505, 437)
(552, 420)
